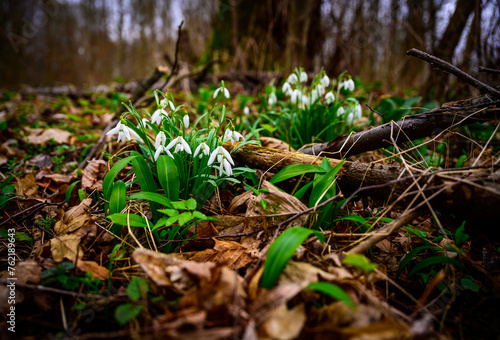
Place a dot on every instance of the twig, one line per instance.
(490, 70)
(461, 75)
(53, 290)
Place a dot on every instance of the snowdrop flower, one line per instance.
(124, 132)
(160, 149)
(246, 111)
(357, 111)
(292, 79)
(305, 100)
(224, 158)
(325, 81)
(348, 85)
(287, 89)
(144, 122)
(233, 136)
(350, 117)
(340, 111)
(160, 139)
(180, 145)
(224, 91)
(185, 120)
(203, 147)
(158, 116)
(303, 77)
(330, 97)
(321, 90)
(165, 102)
(314, 95)
(272, 99)
(295, 94)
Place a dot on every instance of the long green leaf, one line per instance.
(168, 175)
(107, 183)
(325, 184)
(118, 196)
(281, 251)
(145, 179)
(411, 255)
(431, 261)
(151, 196)
(134, 220)
(293, 170)
(332, 291)
(70, 190)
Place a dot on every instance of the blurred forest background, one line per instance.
(47, 42)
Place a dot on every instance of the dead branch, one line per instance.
(449, 68)
(413, 127)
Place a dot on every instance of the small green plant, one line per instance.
(58, 274)
(47, 223)
(311, 114)
(183, 164)
(359, 261)
(137, 290)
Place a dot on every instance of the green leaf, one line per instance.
(70, 190)
(324, 184)
(126, 312)
(107, 183)
(460, 235)
(355, 218)
(332, 291)
(411, 255)
(185, 217)
(151, 196)
(137, 288)
(303, 190)
(281, 251)
(181, 205)
(169, 212)
(293, 170)
(135, 221)
(191, 204)
(469, 284)
(432, 261)
(359, 261)
(168, 175)
(118, 196)
(145, 179)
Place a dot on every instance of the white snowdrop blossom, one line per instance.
(144, 122)
(233, 136)
(160, 139)
(350, 117)
(303, 77)
(158, 116)
(180, 145)
(272, 99)
(330, 98)
(295, 94)
(305, 100)
(292, 79)
(325, 81)
(321, 90)
(224, 158)
(160, 149)
(287, 89)
(185, 120)
(314, 95)
(340, 111)
(357, 111)
(246, 110)
(348, 85)
(124, 132)
(204, 148)
(224, 91)
(165, 102)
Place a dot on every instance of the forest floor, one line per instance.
(68, 272)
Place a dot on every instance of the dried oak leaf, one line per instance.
(228, 253)
(93, 175)
(26, 186)
(41, 136)
(283, 323)
(95, 269)
(65, 246)
(74, 218)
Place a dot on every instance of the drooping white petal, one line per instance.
(272, 99)
(292, 78)
(160, 139)
(115, 130)
(330, 97)
(227, 167)
(325, 81)
(226, 93)
(172, 143)
(287, 89)
(211, 159)
(227, 155)
(227, 134)
(246, 110)
(217, 92)
(340, 111)
(303, 77)
(357, 111)
(295, 94)
(237, 136)
(185, 146)
(158, 152)
(185, 120)
(133, 133)
(305, 100)
(158, 116)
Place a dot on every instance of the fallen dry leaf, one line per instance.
(65, 246)
(28, 271)
(228, 253)
(26, 186)
(95, 269)
(93, 175)
(283, 323)
(41, 136)
(74, 218)
(57, 178)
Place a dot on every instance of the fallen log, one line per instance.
(471, 193)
